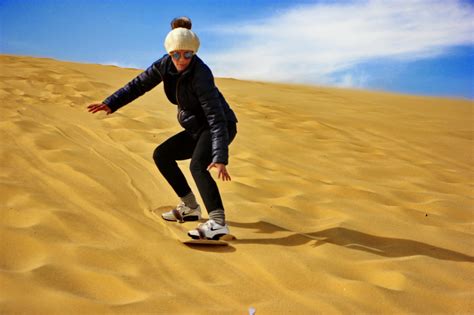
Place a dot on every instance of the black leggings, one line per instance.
(183, 146)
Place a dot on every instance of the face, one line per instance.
(181, 59)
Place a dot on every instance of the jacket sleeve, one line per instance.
(208, 96)
(141, 84)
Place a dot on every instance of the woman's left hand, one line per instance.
(221, 171)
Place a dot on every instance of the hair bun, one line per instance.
(182, 21)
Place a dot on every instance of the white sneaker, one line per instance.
(209, 230)
(183, 213)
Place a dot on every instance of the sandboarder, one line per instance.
(209, 126)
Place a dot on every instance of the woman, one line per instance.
(208, 121)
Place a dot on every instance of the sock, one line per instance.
(218, 215)
(190, 200)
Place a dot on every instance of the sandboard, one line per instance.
(180, 230)
(206, 242)
(223, 241)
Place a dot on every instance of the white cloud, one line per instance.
(321, 43)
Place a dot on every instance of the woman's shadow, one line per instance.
(382, 246)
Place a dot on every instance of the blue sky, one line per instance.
(411, 46)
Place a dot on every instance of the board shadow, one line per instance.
(378, 245)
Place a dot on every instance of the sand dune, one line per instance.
(343, 201)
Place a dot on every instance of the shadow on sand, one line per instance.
(382, 246)
(211, 248)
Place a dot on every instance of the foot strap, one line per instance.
(177, 215)
(202, 234)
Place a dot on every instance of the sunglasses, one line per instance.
(186, 55)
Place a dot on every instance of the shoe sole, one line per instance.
(214, 238)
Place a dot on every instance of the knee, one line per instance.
(159, 155)
(197, 167)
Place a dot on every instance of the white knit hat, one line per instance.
(181, 39)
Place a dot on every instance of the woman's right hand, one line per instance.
(94, 108)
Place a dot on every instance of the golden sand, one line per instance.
(343, 201)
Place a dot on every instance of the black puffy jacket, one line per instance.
(200, 104)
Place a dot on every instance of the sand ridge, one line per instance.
(343, 201)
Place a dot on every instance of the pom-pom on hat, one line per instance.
(181, 39)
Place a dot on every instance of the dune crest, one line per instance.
(343, 201)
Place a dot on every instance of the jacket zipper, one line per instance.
(177, 100)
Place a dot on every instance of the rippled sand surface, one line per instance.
(342, 201)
